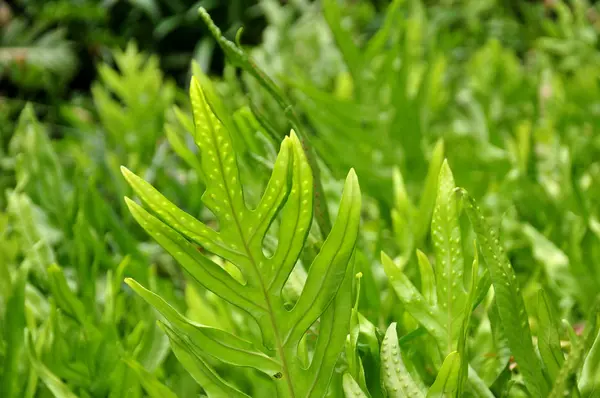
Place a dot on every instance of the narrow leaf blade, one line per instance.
(511, 307)
(396, 379)
(329, 267)
(218, 343)
(548, 338)
(446, 381)
(212, 383)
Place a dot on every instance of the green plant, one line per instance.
(141, 94)
(36, 57)
(444, 310)
(254, 282)
(414, 290)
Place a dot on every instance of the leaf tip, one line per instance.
(392, 328)
(293, 136)
(287, 141)
(446, 172)
(385, 259)
(352, 180)
(54, 269)
(195, 87)
(125, 171)
(134, 285)
(130, 203)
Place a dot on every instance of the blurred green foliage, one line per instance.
(49, 49)
(507, 92)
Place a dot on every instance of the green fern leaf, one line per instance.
(464, 334)
(446, 381)
(548, 338)
(256, 284)
(428, 197)
(444, 305)
(211, 341)
(562, 385)
(350, 52)
(511, 307)
(351, 387)
(154, 388)
(65, 298)
(213, 384)
(427, 279)
(440, 308)
(589, 381)
(355, 366)
(396, 379)
(412, 299)
(239, 58)
(54, 384)
(450, 265)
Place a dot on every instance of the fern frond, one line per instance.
(257, 287)
(443, 305)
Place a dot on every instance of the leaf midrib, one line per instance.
(280, 350)
(447, 236)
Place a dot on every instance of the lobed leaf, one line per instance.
(224, 195)
(180, 221)
(251, 280)
(202, 270)
(297, 213)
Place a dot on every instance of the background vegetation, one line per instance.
(507, 91)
